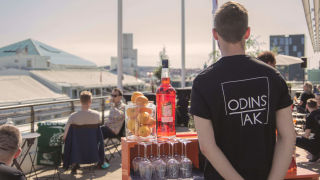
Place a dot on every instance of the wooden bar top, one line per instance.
(303, 174)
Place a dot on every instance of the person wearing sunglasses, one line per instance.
(116, 117)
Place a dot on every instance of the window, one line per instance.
(302, 40)
(294, 48)
(299, 54)
(287, 50)
(275, 42)
(281, 41)
(290, 40)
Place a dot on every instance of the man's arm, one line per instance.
(285, 144)
(307, 133)
(66, 129)
(212, 152)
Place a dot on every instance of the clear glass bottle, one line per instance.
(166, 102)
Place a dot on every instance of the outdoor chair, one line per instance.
(112, 144)
(83, 145)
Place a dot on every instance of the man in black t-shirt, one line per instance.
(238, 103)
(311, 144)
(10, 142)
(307, 94)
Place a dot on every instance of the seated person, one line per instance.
(311, 144)
(307, 94)
(318, 100)
(83, 117)
(10, 142)
(116, 118)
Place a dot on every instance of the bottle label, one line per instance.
(167, 112)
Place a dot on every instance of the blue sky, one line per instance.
(89, 28)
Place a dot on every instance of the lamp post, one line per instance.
(119, 69)
(183, 46)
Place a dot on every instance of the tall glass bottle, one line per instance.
(166, 102)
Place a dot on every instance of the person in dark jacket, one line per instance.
(307, 94)
(307, 141)
(10, 143)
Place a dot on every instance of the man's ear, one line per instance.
(17, 153)
(247, 34)
(215, 34)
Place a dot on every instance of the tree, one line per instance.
(157, 72)
(252, 48)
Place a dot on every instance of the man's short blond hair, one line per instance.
(10, 141)
(85, 97)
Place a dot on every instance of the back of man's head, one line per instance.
(85, 97)
(312, 103)
(267, 57)
(10, 142)
(231, 21)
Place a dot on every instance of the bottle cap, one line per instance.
(165, 63)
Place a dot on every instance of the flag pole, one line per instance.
(119, 69)
(183, 46)
(214, 8)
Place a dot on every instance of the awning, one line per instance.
(284, 60)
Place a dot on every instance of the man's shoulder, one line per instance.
(10, 173)
(316, 113)
(94, 112)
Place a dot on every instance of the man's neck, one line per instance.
(6, 162)
(231, 49)
(85, 108)
(313, 109)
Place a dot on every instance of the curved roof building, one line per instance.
(53, 55)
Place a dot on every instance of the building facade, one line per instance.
(130, 57)
(292, 45)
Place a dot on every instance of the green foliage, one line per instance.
(252, 47)
(275, 49)
(157, 72)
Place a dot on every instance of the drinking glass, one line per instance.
(136, 161)
(159, 166)
(165, 156)
(177, 156)
(145, 166)
(185, 163)
(152, 157)
(172, 164)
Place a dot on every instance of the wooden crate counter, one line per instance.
(302, 174)
(129, 150)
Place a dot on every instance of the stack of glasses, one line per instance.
(163, 166)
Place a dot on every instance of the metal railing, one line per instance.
(64, 107)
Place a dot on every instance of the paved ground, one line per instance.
(114, 171)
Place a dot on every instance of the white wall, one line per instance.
(25, 62)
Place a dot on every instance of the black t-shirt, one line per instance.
(10, 173)
(240, 96)
(304, 98)
(313, 123)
